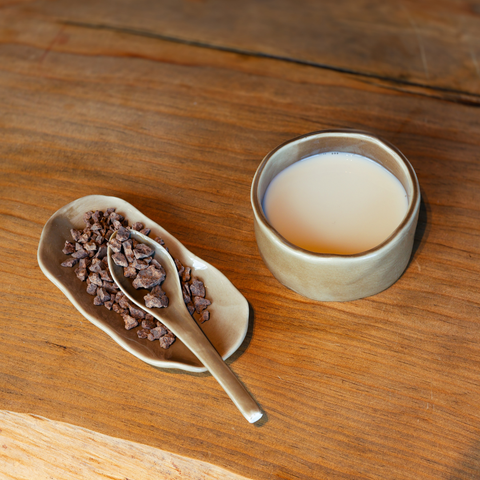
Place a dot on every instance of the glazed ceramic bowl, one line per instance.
(226, 329)
(331, 277)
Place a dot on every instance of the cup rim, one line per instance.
(260, 215)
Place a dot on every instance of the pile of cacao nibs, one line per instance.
(88, 253)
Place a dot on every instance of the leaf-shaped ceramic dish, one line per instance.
(226, 328)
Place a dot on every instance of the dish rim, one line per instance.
(71, 296)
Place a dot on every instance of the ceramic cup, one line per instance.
(329, 277)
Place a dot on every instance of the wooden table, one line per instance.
(171, 106)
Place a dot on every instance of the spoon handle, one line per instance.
(193, 337)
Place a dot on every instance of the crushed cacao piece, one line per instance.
(180, 267)
(120, 260)
(85, 237)
(69, 248)
(123, 302)
(154, 301)
(84, 262)
(130, 272)
(143, 251)
(156, 333)
(205, 316)
(97, 301)
(149, 278)
(147, 323)
(143, 332)
(157, 290)
(115, 245)
(191, 308)
(70, 262)
(102, 252)
(76, 234)
(116, 308)
(130, 322)
(123, 234)
(201, 304)
(139, 264)
(81, 273)
(156, 264)
(105, 275)
(80, 253)
(95, 279)
(167, 340)
(104, 296)
(186, 274)
(136, 312)
(127, 250)
(96, 266)
(110, 287)
(186, 293)
(97, 216)
(89, 246)
(163, 328)
(115, 217)
(89, 250)
(197, 288)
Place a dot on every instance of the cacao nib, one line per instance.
(156, 333)
(167, 340)
(123, 234)
(69, 248)
(89, 250)
(70, 262)
(149, 278)
(130, 322)
(143, 332)
(205, 316)
(201, 304)
(197, 288)
(120, 260)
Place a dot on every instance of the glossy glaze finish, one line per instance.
(328, 277)
(177, 319)
(226, 329)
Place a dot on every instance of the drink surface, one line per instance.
(335, 202)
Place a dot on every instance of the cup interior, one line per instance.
(355, 142)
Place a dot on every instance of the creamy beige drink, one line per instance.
(335, 202)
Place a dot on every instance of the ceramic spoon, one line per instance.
(177, 319)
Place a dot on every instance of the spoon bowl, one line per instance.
(177, 319)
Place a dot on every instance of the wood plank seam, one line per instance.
(472, 99)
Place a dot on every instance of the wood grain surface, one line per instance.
(407, 43)
(39, 448)
(384, 387)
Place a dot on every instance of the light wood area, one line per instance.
(171, 106)
(39, 448)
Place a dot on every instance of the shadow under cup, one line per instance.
(331, 277)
